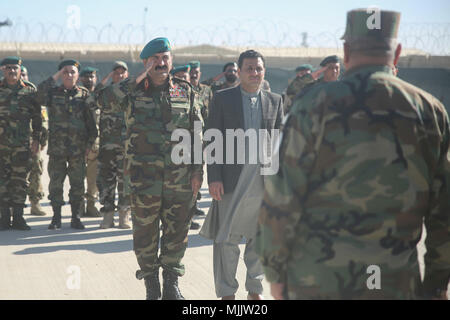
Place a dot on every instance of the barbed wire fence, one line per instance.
(429, 38)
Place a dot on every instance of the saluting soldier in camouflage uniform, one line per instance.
(231, 78)
(112, 151)
(88, 78)
(304, 76)
(160, 189)
(72, 133)
(18, 106)
(181, 72)
(331, 71)
(35, 190)
(363, 163)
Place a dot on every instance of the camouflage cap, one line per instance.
(120, 64)
(69, 62)
(185, 68)
(371, 23)
(88, 70)
(156, 45)
(194, 64)
(329, 59)
(11, 60)
(304, 67)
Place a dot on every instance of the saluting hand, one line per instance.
(148, 67)
(57, 75)
(105, 80)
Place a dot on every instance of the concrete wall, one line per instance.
(434, 80)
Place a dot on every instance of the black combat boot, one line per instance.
(170, 286)
(19, 222)
(56, 219)
(152, 286)
(75, 223)
(5, 221)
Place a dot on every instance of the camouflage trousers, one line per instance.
(91, 176)
(60, 167)
(172, 209)
(110, 177)
(35, 189)
(15, 164)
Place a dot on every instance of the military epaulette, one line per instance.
(84, 90)
(29, 84)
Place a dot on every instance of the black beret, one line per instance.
(69, 63)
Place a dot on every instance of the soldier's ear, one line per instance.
(346, 55)
(398, 51)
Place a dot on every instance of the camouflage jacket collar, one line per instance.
(72, 91)
(147, 83)
(368, 69)
(20, 84)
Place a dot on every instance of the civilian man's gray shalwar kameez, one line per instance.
(238, 216)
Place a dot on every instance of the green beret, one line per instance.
(370, 24)
(88, 70)
(12, 60)
(69, 63)
(185, 68)
(329, 59)
(157, 45)
(304, 67)
(120, 64)
(194, 64)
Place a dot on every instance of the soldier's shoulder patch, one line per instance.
(29, 84)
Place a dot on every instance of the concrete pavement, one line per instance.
(94, 263)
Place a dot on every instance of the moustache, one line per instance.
(230, 77)
(161, 68)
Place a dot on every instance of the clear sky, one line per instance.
(208, 21)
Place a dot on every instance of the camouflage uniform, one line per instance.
(35, 190)
(363, 161)
(204, 95)
(18, 106)
(72, 130)
(160, 190)
(91, 174)
(216, 86)
(294, 88)
(111, 156)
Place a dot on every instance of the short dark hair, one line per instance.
(250, 54)
(228, 64)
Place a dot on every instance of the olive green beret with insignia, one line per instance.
(156, 45)
(329, 59)
(304, 67)
(88, 70)
(11, 60)
(194, 64)
(372, 29)
(69, 62)
(120, 64)
(185, 68)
